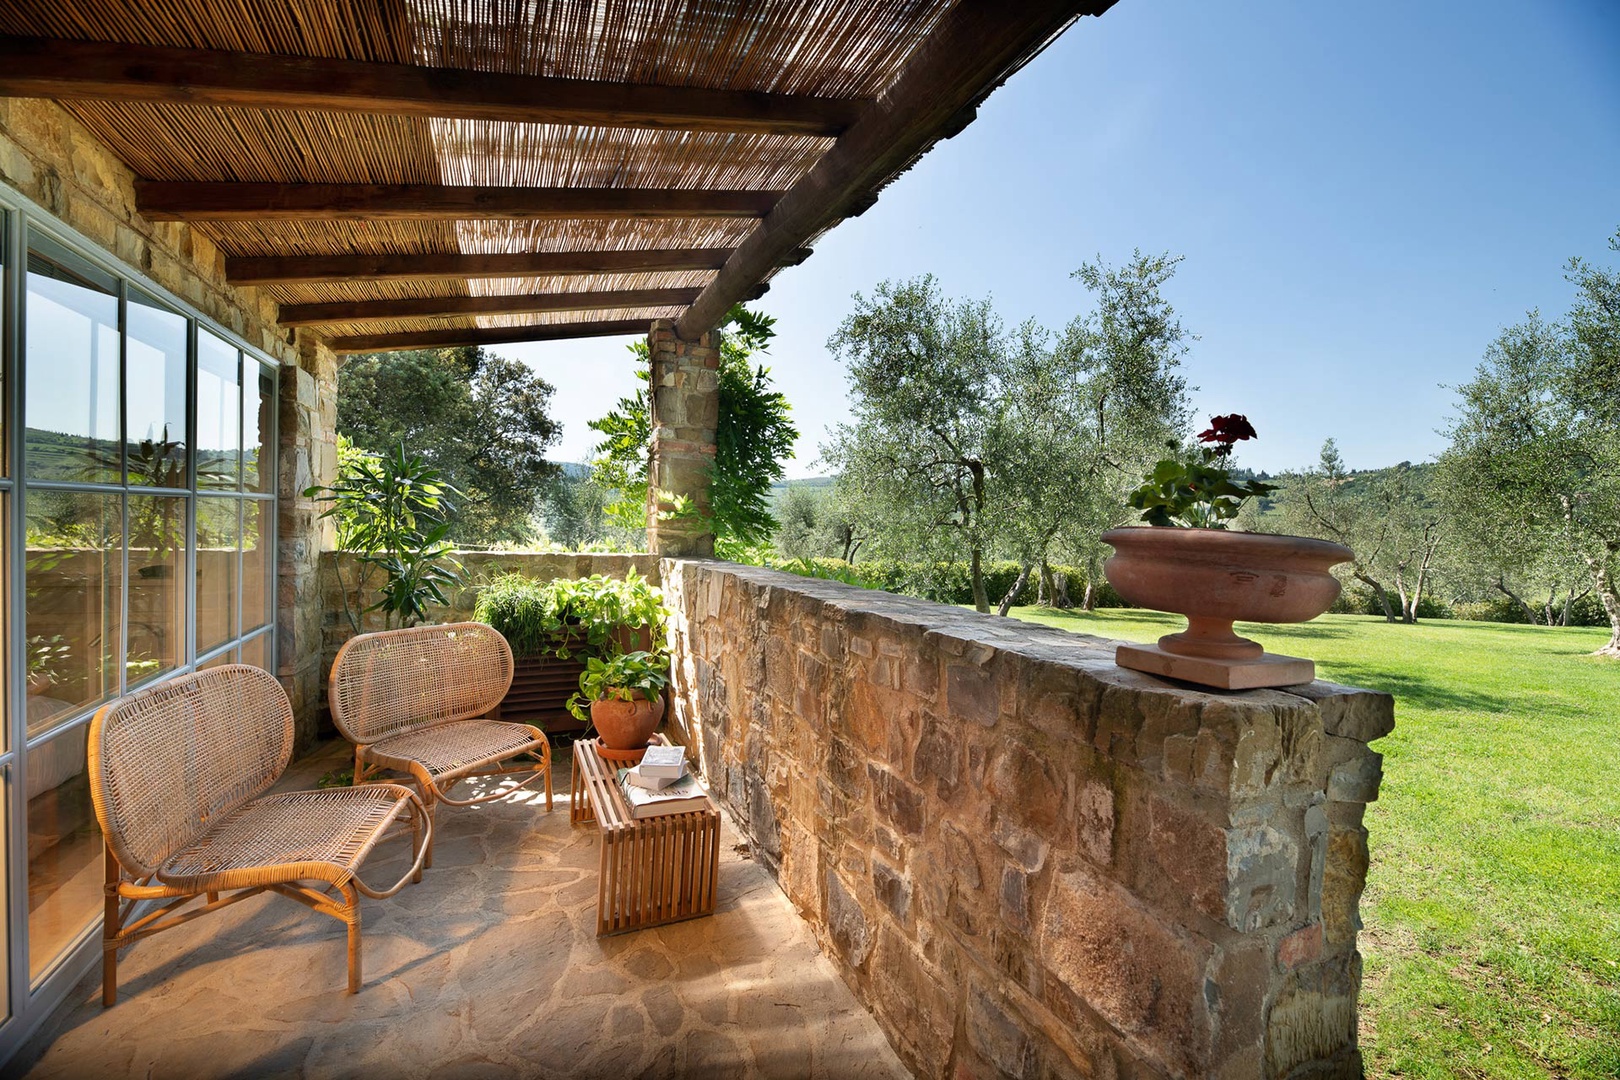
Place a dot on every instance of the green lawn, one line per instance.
(1492, 913)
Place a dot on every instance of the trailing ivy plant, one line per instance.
(395, 512)
(625, 677)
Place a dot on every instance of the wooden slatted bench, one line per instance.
(654, 870)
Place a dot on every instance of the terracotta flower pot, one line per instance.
(627, 725)
(1215, 577)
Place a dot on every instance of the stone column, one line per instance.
(684, 399)
(308, 455)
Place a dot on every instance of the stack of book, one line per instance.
(662, 785)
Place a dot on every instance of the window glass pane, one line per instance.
(64, 848)
(256, 651)
(157, 593)
(72, 354)
(73, 603)
(155, 392)
(218, 660)
(219, 411)
(257, 474)
(217, 532)
(256, 564)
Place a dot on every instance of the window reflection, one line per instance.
(72, 349)
(217, 532)
(155, 393)
(73, 603)
(64, 848)
(256, 428)
(219, 413)
(157, 598)
(256, 651)
(256, 564)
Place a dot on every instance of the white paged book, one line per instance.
(681, 797)
(664, 760)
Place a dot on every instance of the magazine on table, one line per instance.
(681, 797)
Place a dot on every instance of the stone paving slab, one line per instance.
(489, 967)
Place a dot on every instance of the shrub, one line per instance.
(942, 582)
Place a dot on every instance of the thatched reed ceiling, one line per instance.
(653, 98)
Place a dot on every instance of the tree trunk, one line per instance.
(1043, 592)
(1012, 593)
(1407, 606)
(1378, 591)
(1431, 543)
(1547, 609)
(1609, 593)
(981, 599)
(1529, 612)
(1092, 571)
(1060, 592)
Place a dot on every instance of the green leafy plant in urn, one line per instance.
(624, 696)
(1186, 561)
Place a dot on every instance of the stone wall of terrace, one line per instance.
(1027, 861)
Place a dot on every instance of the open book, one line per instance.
(682, 797)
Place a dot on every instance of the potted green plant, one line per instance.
(624, 698)
(556, 627)
(1186, 561)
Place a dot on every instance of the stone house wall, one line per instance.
(1027, 861)
(52, 159)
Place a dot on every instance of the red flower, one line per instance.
(1227, 430)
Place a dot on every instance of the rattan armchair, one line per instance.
(179, 775)
(417, 701)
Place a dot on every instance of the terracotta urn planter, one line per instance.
(627, 725)
(1216, 577)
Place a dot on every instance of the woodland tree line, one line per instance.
(979, 451)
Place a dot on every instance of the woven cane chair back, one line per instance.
(166, 762)
(396, 681)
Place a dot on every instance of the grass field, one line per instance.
(1492, 913)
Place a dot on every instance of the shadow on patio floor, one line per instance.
(489, 967)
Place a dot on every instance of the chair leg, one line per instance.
(351, 916)
(417, 823)
(432, 807)
(545, 763)
(109, 931)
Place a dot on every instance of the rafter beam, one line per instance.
(163, 200)
(975, 47)
(486, 335)
(305, 269)
(440, 307)
(56, 68)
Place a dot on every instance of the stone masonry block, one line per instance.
(1143, 975)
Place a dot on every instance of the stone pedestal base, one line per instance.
(1267, 670)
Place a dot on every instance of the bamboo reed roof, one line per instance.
(732, 104)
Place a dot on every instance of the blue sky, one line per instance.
(1365, 195)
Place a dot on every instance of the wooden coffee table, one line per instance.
(654, 870)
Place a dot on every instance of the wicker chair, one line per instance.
(417, 700)
(178, 776)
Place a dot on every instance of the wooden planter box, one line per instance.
(541, 685)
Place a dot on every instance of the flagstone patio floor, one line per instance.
(490, 967)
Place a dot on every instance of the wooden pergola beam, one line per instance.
(976, 46)
(491, 335)
(436, 307)
(56, 68)
(400, 266)
(164, 200)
